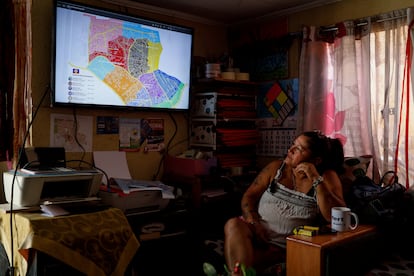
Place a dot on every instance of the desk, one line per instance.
(306, 255)
(203, 188)
(192, 183)
(96, 243)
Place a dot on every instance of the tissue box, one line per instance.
(188, 166)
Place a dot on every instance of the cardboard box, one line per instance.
(188, 166)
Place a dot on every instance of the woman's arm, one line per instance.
(329, 194)
(328, 191)
(251, 197)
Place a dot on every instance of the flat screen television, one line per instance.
(108, 59)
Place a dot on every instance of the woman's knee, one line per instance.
(234, 225)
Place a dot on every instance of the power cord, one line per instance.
(19, 160)
(155, 176)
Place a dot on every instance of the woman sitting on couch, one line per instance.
(299, 190)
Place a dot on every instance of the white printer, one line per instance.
(34, 189)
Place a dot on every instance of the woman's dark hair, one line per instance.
(330, 150)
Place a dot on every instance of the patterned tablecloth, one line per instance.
(97, 243)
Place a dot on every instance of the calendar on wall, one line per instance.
(275, 142)
(277, 117)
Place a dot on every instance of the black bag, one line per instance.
(376, 203)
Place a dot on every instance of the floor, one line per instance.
(185, 255)
(394, 256)
(401, 264)
(396, 265)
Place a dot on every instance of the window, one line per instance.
(355, 77)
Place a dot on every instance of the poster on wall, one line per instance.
(277, 103)
(134, 132)
(129, 134)
(107, 125)
(265, 60)
(262, 49)
(277, 116)
(74, 136)
(154, 131)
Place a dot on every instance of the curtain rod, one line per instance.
(329, 29)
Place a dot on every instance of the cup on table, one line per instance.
(343, 219)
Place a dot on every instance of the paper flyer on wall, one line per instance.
(62, 132)
(129, 134)
(154, 134)
(107, 124)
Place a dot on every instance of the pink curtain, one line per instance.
(315, 81)
(22, 103)
(334, 81)
(350, 87)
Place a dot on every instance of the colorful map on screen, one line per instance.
(119, 53)
(117, 60)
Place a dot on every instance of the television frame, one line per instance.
(163, 77)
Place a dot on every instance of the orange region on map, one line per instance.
(123, 83)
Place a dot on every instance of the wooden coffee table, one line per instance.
(306, 255)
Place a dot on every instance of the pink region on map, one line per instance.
(101, 32)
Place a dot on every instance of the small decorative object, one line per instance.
(209, 270)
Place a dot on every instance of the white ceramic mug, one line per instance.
(341, 219)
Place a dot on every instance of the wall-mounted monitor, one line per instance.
(103, 58)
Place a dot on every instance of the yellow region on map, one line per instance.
(154, 53)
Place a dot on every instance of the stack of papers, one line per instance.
(115, 165)
(53, 210)
(131, 185)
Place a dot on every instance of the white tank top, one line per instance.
(283, 209)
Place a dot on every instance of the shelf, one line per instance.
(212, 80)
(167, 223)
(226, 87)
(223, 119)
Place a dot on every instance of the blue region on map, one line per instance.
(101, 66)
(171, 85)
(135, 31)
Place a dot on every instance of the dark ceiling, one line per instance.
(224, 11)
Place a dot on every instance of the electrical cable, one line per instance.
(167, 147)
(75, 133)
(11, 267)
